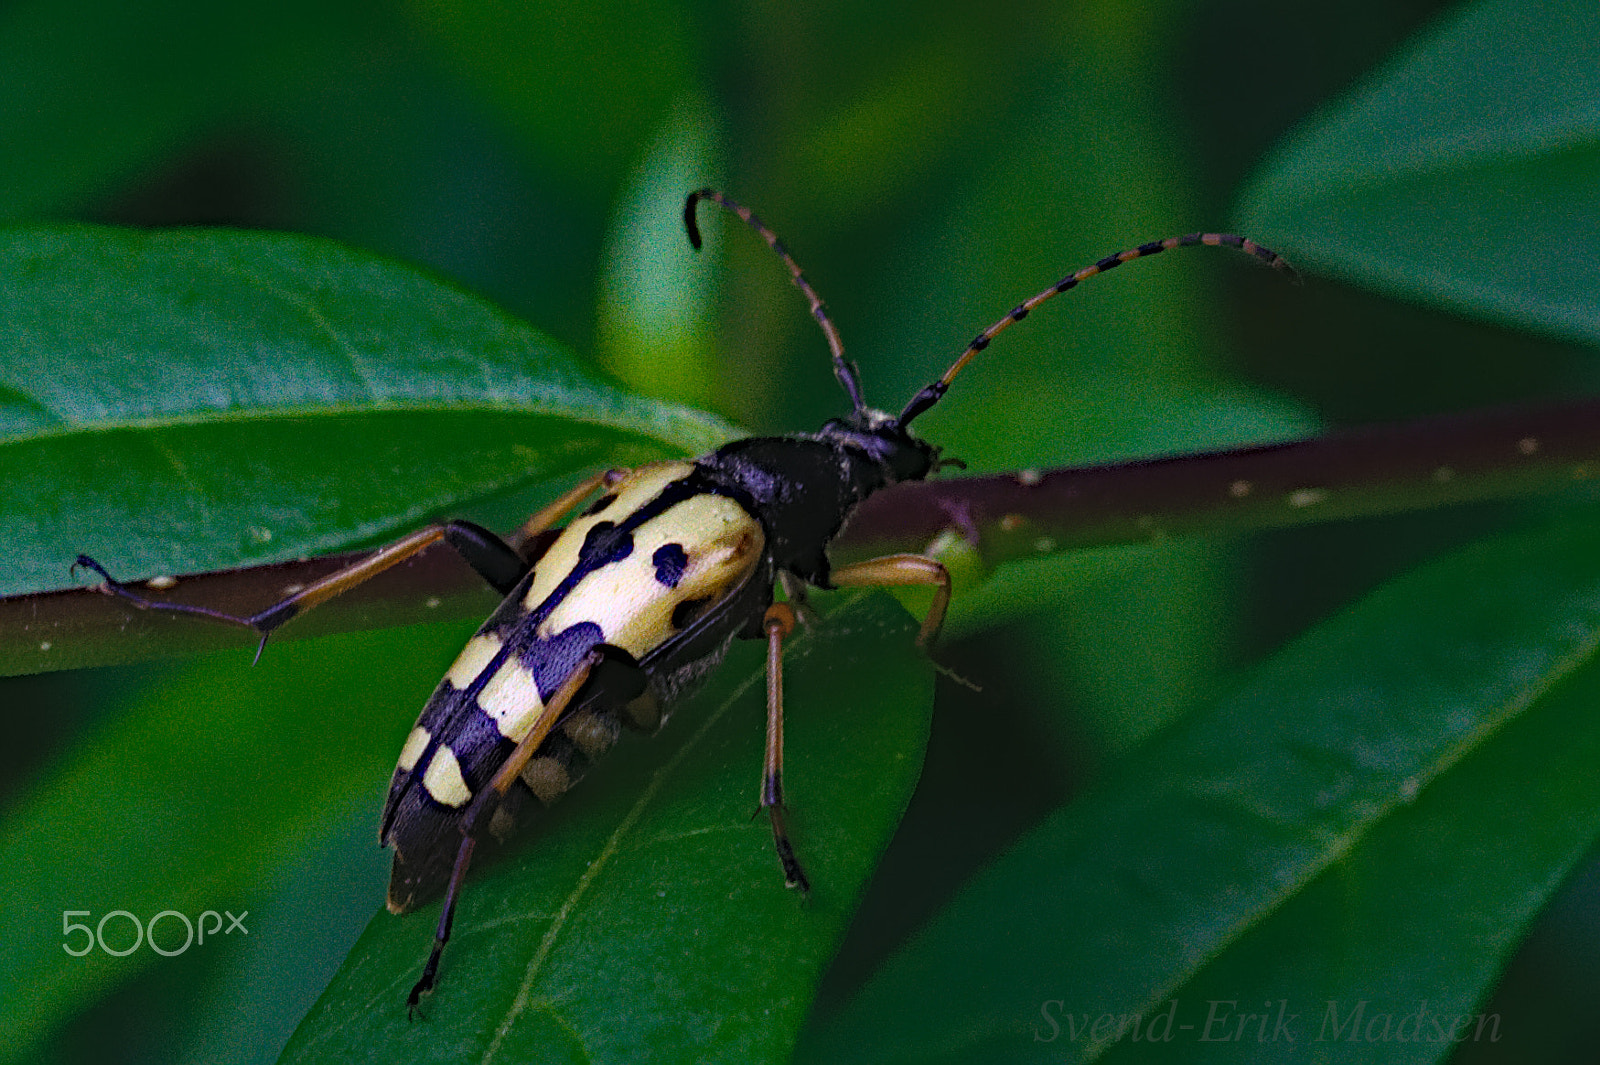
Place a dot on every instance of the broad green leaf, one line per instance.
(1433, 900)
(1465, 172)
(180, 401)
(647, 918)
(1333, 761)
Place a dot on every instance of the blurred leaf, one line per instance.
(181, 401)
(309, 914)
(1136, 633)
(585, 82)
(649, 919)
(1118, 368)
(904, 112)
(191, 798)
(655, 323)
(1464, 172)
(1218, 828)
(93, 91)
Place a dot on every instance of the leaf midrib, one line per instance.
(545, 406)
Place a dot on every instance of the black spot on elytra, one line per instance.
(670, 561)
(552, 659)
(599, 504)
(603, 545)
(685, 611)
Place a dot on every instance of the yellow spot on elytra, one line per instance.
(1240, 489)
(444, 780)
(633, 491)
(722, 544)
(512, 698)
(415, 744)
(1528, 445)
(474, 657)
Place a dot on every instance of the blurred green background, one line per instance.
(929, 165)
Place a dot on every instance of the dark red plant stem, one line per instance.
(1380, 470)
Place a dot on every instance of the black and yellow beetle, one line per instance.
(635, 600)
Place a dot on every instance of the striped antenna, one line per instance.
(934, 392)
(843, 369)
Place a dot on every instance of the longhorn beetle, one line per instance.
(635, 600)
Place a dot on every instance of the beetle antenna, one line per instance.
(934, 392)
(843, 369)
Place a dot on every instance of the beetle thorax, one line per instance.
(804, 487)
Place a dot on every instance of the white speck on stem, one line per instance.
(1307, 497)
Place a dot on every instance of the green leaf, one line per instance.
(1118, 368)
(654, 329)
(1434, 901)
(190, 797)
(1297, 822)
(1465, 172)
(648, 917)
(181, 401)
(93, 93)
(305, 917)
(583, 82)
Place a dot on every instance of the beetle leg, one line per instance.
(794, 590)
(492, 558)
(485, 804)
(901, 570)
(488, 555)
(778, 623)
(545, 519)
